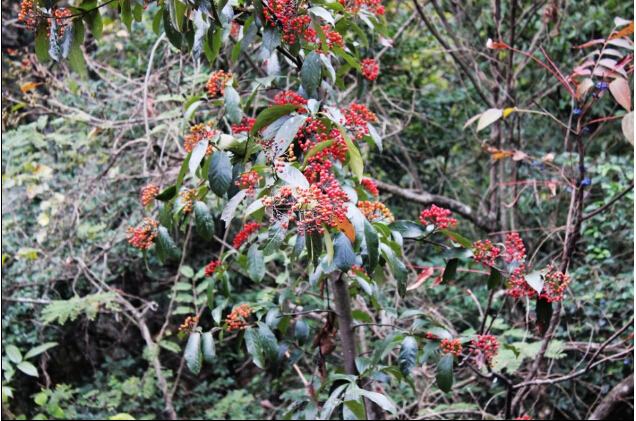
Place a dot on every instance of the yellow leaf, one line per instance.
(628, 30)
(29, 86)
(508, 111)
(501, 154)
(346, 227)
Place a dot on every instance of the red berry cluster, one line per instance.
(235, 29)
(246, 125)
(485, 252)
(438, 217)
(217, 82)
(357, 117)
(211, 268)
(375, 211)
(249, 180)
(370, 186)
(430, 335)
(247, 230)
(525, 417)
(370, 69)
(372, 6)
(148, 194)
(554, 284)
(356, 268)
(290, 97)
(286, 14)
(515, 250)
(518, 286)
(237, 320)
(189, 324)
(453, 346)
(144, 235)
(198, 133)
(485, 349)
(188, 197)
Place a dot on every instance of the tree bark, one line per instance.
(624, 389)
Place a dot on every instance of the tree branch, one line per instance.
(621, 391)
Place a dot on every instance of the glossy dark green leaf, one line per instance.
(301, 332)
(255, 263)
(126, 13)
(450, 271)
(42, 42)
(444, 373)
(204, 220)
(93, 18)
(185, 165)
(54, 46)
(233, 105)
(207, 347)
(277, 233)
(494, 280)
(67, 40)
(372, 244)
(193, 355)
(268, 339)
(167, 194)
(167, 244)
(457, 238)
(350, 60)
(310, 74)
(272, 38)
(457, 253)
(313, 242)
(344, 256)
(428, 350)
(286, 134)
(231, 206)
(76, 55)
(249, 33)
(408, 229)
(357, 410)
(201, 26)
(254, 347)
(220, 173)
(544, 314)
(177, 12)
(156, 21)
(271, 114)
(209, 293)
(174, 36)
(399, 271)
(137, 10)
(407, 355)
(378, 398)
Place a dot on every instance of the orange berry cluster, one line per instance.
(485, 252)
(248, 229)
(217, 82)
(554, 284)
(358, 269)
(198, 133)
(430, 335)
(246, 125)
(372, 6)
(370, 69)
(249, 180)
(144, 235)
(235, 29)
(237, 320)
(188, 197)
(189, 325)
(27, 14)
(211, 268)
(485, 349)
(453, 346)
(148, 194)
(370, 186)
(375, 211)
(515, 250)
(438, 217)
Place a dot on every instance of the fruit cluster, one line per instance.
(554, 284)
(248, 229)
(485, 252)
(430, 335)
(144, 235)
(237, 320)
(515, 250)
(517, 284)
(211, 268)
(216, 84)
(27, 14)
(370, 186)
(188, 198)
(370, 69)
(245, 126)
(148, 194)
(439, 217)
(372, 6)
(375, 211)
(249, 180)
(485, 349)
(198, 133)
(451, 346)
(189, 324)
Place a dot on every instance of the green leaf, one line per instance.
(174, 36)
(332, 402)
(39, 349)
(270, 344)
(187, 271)
(535, 280)
(375, 136)
(207, 347)
(350, 60)
(27, 368)
(67, 39)
(54, 47)
(494, 280)
(356, 408)
(313, 151)
(13, 353)
(457, 238)
(182, 172)
(249, 33)
(285, 135)
(544, 314)
(167, 244)
(381, 400)
(355, 159)
(201, 27)
(444, 373)
(301, 332)
(457, 253)
(408, 229)
(272, 38)
(42, 42)
(450, 271)
(428, 350)
(167, 194)
(293, 176)
(372, 244)
(76, 55)
(126, 13)
(177, 12)
(362, 316)
(255, 263)
(213, 43)
(324, 14)
(397, 268)
(310, 73)
(407, 355)
(156, 21)
(313, 242)
(271, 114)
(277, 233)
(204, 220)
(192, 355)
(233, 105)
(231, 206)
(40, 399)
(93, 18)
(344, 256)
(121, 416)
(220, 173)
(254, 347)
(209, 293)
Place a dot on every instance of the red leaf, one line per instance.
(426, 273)
(622, 94)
